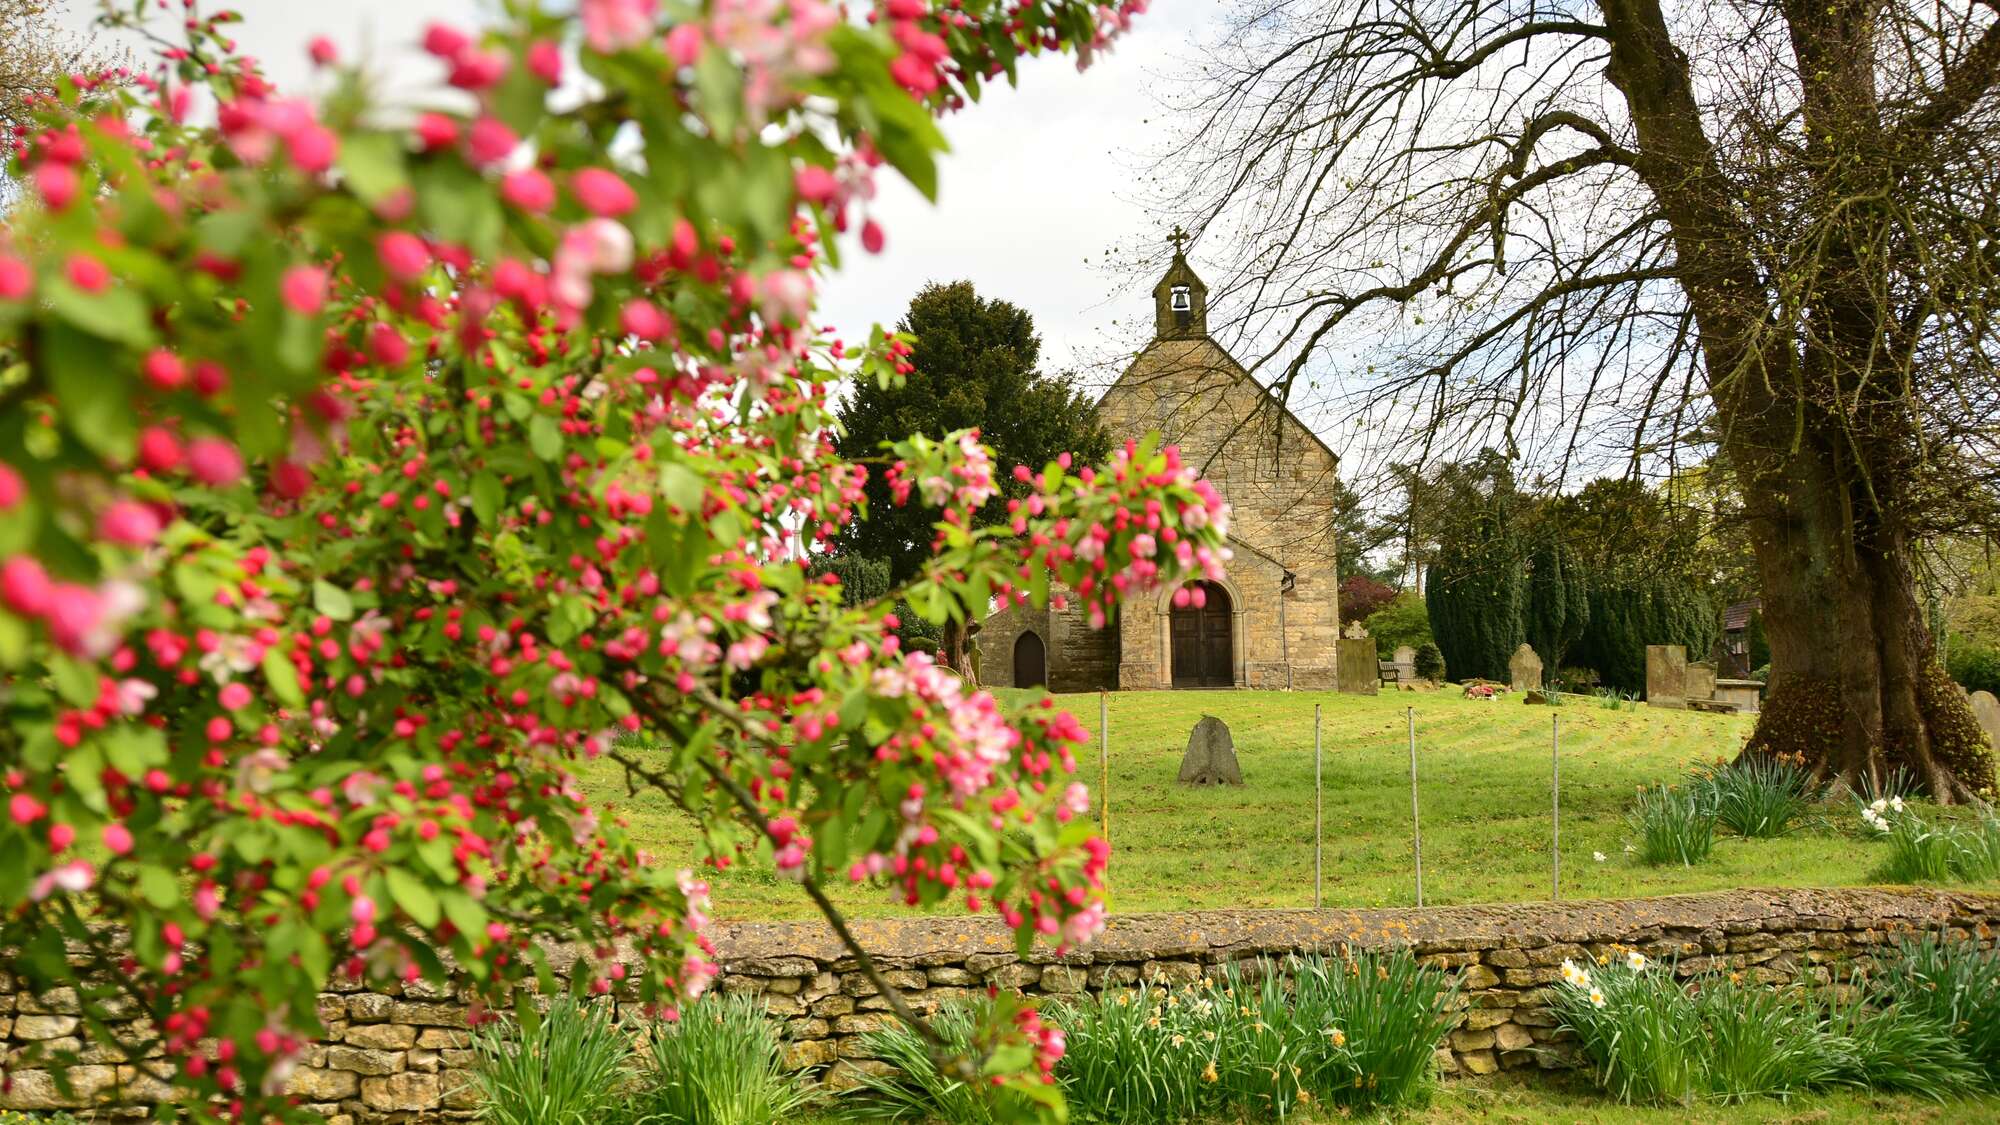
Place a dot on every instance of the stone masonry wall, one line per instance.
(403, 1054)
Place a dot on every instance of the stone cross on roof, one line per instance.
(1179, 238)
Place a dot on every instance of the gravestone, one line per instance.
(1700, 681)
(1987, 709)
(1211, 755)
(1666, 676)
(1524, 669)
(1406, 663)
(1357, 664)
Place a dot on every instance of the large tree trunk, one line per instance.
(1857, 692)
(1823, 453)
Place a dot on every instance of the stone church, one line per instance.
(1273, 621)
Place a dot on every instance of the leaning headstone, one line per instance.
(1666, 676)
(1534, 696)
(1700, 681)
(1211, 755)
(1357, 666)
(1524, 669)
(1987, 708)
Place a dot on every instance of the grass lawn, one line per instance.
(1483, 773)
(1574, 1101)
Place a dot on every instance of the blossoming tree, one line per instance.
(361, 471)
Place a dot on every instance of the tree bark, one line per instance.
(1857, 689)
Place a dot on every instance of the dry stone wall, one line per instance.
(403, 1054)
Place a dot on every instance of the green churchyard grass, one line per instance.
(1483, 789)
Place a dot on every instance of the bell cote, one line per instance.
(1180, 300)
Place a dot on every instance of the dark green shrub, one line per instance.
(1976, 667)
(1430, 662)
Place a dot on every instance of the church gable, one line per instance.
(1273, 619)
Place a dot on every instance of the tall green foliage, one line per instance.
(973, 364)
(1625, 618)
(1557, 606)
(1477, 586)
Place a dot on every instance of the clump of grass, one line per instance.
(1611, 699)
(1756, 797)
(1956, 984)
(1653, 1039)
(1922, 852)
(1255, 1040)
(1675, 824)
(569, 1066)
(721, 1063)
(919, 1089)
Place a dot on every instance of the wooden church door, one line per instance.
(1203, 653)
(1031, 662)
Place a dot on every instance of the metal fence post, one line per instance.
(1104, 777)
(1317, 820)
(1416, 824)
(1555, 809)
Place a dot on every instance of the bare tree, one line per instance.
(1633, 231)
(35, 54)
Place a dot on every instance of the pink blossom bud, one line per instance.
(15, 278)
(117, 839)
(436, 130)
(87, 273)
(322, 51)
(815, 184)
(214, 461)
(12, 488)
(234, 696)
(129, 523)
(25, 586)
(303, 289)
(871, 236)
(545, 61)
(445, 41)
(313, 147)
(684, 44)
(491, 140)
(528, 190)
(403, 255)
(57, 184)
(603, 193)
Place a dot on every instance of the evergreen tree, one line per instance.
(1558, 600)
(1476, 588)
(973, 364)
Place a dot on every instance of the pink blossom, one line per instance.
(25, 586)
(545, 61)
(528, 189)
(57, 183)
(117, 838)
(602, 192)
(322, 51)
(303, 289)
(614, 25)
(73, 878)
(403, 255)
(16, 280)
(684, 44)
(74, 615)
(214, 461)
(491, 141)
(12, 488)
(129, 523)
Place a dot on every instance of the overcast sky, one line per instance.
(1034, 192)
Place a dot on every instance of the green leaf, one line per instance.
(158, 887)
(465, 913)
(93, 396)
(681, 486)
(332, 600)
(545, 437)
(283, 678)
(415, 899)
(487, 496)
(115, 314)
(75, 681)
(373, 165)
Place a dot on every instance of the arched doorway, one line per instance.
(1031, 661)
(1203, 654)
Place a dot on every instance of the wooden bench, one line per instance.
(1390, 671)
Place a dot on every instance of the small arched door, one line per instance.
(1031, 661)
(1203, 653)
